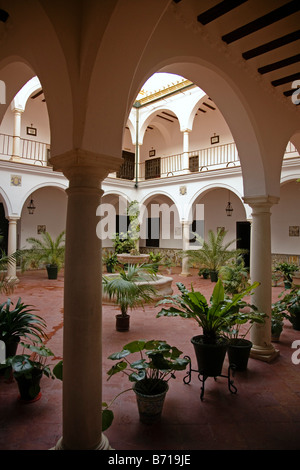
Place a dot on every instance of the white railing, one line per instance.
(31, 151)
(6, 144)
(215, 157)
(223, 155)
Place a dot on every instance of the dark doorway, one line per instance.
(153, 229)
(3, 230)
(243, 235)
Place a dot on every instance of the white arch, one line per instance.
(35, 188)
(7, 203)
(20, 100)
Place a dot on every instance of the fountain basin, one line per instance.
(162, 284)
(127, 258)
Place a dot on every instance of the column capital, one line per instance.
(13, 218)
(261, 203)
(78, 165)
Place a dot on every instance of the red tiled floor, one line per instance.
(264, 414)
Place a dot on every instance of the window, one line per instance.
(152, 168)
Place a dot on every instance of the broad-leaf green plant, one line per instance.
(155, 362)
(213, 317)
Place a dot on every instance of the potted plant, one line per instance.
(287, 270)
(239, 347)
(110, 260)
(7, 284)
(129, 291)
(19, 322)
(28, 370)
(235, 276)
(277, 323)
(213, 253)
(204, 272)
(155, 363)
(210, 347)
(155, 259)
(290, 304)
(45, 251)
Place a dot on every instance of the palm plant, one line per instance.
(214, 252)
(7, 284)
(19, 322)
(130, 288)
(46, 251)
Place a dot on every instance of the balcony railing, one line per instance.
(211, 158)
(31, 151)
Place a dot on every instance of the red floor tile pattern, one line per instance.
(263, 415)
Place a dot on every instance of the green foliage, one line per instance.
(123, 242)
(127, 287)
(234, 276)
(287, 270)
(214, 252)
(157, 361)
(20, 321)
(214, 318)
(133, 213)
(44, 251)
(289, 304)
(23, 365)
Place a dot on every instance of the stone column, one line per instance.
(261, 271)
(12, 247)
(82, 341)
(185, 246)
(16, 153)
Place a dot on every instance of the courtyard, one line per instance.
(264, 414)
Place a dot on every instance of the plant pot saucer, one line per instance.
(30, 401)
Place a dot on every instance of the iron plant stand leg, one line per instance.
(187, 378)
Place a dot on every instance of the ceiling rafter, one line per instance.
(282, 66)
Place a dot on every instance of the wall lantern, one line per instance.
(229, 208)
(31, 207)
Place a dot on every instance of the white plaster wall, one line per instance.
(51, 210)
(206, 125)
(285, 214)
(215, 202)
(36, 115)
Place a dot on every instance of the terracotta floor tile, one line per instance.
(264, 414)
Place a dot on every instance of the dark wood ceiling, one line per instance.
(265, 33)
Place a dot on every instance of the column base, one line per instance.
(103, 445)
(16, 158)
(267, 354)
(185, 274)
